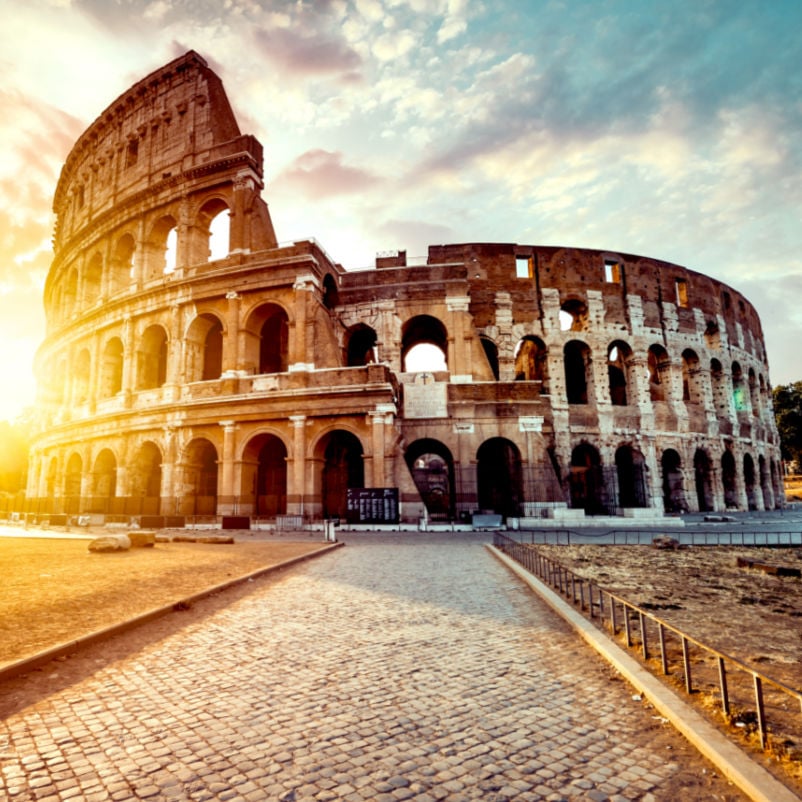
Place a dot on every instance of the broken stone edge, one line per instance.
(732, 761)
(27, 664)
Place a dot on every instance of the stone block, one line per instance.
(142, 539)
(110, 543)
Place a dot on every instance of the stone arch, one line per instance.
(340, 453)
(122, 264)
(360, 346)
(73, 476)
(776, 485)
(531, 360)
(499, 477)
(740, 392)
(659, 367)
(765, 485)
(213, 232)
(729, 480)
(204, 349)
(424, 330)
(160, 248)
(619, 363)
(633, 487)
(673, 488)
(152, 358)
(104, 482)
(703, 480)
(145, 479)
(586, 480)
(69, 300)
(574, 315)
(111, 368)
(491, 353)
(692, 391)
(200, 469)
(720, 388)
(576, 359)
(264, 475)
(432, 467)
(754, 397)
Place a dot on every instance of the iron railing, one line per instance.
(640, 629)
(633, 537)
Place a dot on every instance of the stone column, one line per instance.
(231, 361)
(459, 362)
(296, 467)
(226, 496)
(299, 347)
(380, 418)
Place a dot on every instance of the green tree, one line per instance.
(788, 413)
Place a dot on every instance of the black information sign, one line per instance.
(372, 505)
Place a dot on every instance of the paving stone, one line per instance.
(401, 666)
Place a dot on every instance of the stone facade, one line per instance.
(198, 369)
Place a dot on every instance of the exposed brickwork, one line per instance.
(263, 380)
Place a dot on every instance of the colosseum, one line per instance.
(195, 369)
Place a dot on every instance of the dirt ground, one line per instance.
(54, 591)
(743, 612)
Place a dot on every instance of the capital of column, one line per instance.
(298, 421)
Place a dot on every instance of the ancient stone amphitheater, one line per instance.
(196, 369)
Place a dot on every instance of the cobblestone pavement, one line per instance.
(393, 668)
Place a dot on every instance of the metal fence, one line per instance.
(674, 651)
(633, 537)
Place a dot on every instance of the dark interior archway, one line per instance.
(499, 477)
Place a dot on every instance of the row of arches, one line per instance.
(101, 275)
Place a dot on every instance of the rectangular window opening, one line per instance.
(613, 271)
(523, 267)
(682, 292)
(132, 153)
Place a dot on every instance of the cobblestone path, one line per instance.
(394, 668)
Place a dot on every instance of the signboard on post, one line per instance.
(372, 505)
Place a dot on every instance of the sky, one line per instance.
(666, 129)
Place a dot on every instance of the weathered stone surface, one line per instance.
(142, 539)
(110, 543)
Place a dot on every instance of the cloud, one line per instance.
(321, 174)
(309, 53)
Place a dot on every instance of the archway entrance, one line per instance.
(200, 478)
(586, 480)
(342, 468)
(673, 491)
(432, 469)
(499, 477)
(631, 472)
(703, 479)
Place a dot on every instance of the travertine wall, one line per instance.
(198, 369)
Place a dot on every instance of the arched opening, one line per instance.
(659, 366)
(586, 480)
(361, 347)
(204, 349)
(93, 279)
(424, 345)
(633, 488)
(219, 232)
(343, 467)
(531, 360)
(152, 358)
(777, 485)
(273, 340)
(703, 480)
(145, 480)
(750, 484)
(111, 371)
(498, 473)
(691, 378)
(104, 482)
(432, 469)
(574, 315)
(712, 336)
(160, 248)
(576, 358)
(619, 357)
(200, 478)
(70, 297)
(264, 475)
(740, 394)
(720, 388)
(72, 485)
(754, 397)
(673, 490)
(122, 264)
(491, 354)
(728, 480)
